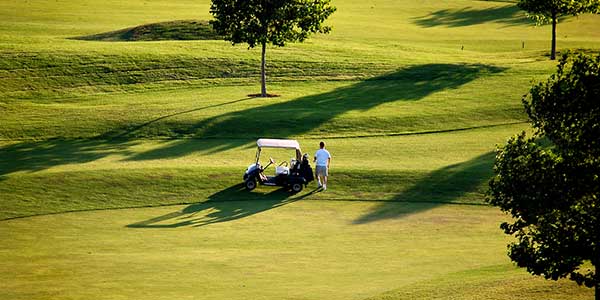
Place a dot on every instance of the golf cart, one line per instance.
(293, 175)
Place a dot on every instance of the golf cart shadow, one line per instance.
(220, 208)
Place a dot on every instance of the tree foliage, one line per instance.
(270, 21)
(550, 182)
(276, 22)
(549, 11)
(548, 8)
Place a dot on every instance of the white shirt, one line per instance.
(322, 156)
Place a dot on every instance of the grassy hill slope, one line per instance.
(411, 97)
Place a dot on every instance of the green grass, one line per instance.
(57, 175)
(267, 249)
(413, 99)
(110, 104)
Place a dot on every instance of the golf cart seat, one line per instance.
(282, 170)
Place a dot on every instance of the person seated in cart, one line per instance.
(293, 179)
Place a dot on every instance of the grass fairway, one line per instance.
(267, 250)
(54, 176)
(125, 128)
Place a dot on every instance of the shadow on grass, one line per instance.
(220, 207)
(445, 185)
(129, 132)
(163, 31)
(509, 15)
(34, 156)
(239, 128)
(302, 115)
(39, 155)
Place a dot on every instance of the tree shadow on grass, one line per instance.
(220, 207)
(509, 15)
(239, 128)
(34, 156)
(445, 185)
(302, 115)
(39, 155)
(450, 184)
(130, 132)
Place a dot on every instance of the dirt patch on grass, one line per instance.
(261, 96)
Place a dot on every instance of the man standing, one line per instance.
(322, 160)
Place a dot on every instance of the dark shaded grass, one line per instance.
(163, 31)
(464, 181)
(510, 15)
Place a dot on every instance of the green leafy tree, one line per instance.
(548, 11)
(276, 22)
(550, 182)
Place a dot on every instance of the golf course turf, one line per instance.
(125, 129)
(268, 249)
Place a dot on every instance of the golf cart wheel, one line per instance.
(296, 187)
(250, 184)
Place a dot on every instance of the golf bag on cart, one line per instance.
(305, 169)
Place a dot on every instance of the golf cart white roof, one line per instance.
(277, 143)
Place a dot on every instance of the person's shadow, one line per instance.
(221, 208)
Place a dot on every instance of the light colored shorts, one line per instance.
(321, 171)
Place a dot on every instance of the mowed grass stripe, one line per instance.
(31, 73)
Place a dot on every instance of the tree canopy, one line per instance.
(548, 11)
(276, 22)
(550, 182)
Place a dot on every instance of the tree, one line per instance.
(548, 11)
(550, 182)
(260, 22)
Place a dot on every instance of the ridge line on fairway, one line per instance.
(224, 201)
(425, 132)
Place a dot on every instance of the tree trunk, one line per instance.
(263, 74)
(553, 50)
